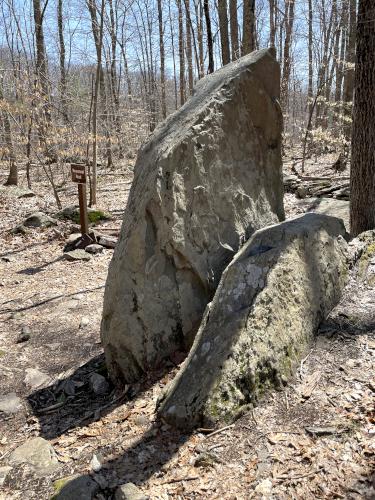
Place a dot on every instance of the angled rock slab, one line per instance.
(269, 303)
(38, 453)
(209, 176)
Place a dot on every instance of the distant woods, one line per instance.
(88, 81)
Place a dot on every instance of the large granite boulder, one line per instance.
(209, 176)
(268, 306)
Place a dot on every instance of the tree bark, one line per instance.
(224, 32)
(181, 52)
(287, 64)
(234, 29)
(311, 67)
(249, 34)
(349, 68)
(210, 42)
(162, 60)
(362, 184)
(99, 41)
(13, 168)
(272, 8)
(189, 48)
(60, 27)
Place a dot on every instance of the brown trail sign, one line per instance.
(79, 175)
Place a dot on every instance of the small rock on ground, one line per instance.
(129, 491)
(39, 219)
(75, 488)
(94, 248)
(35, 378)
(10, 403)
(25, 335)
(38, 453)
(84, 322)
(76, 255)
(98, 384)
(108, 241)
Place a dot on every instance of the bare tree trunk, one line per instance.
(199, 18)
(234, 29)
(311, 67)
(349, 68)
(272, 7)
(162, 60)
(91, 4)
(289, 21)
(189, 49)
(44, 123)
(13, 169)
(249, 35)
(114, 79)
(60, 27)
(210, 42)
(362, 184)
(173, 57)
(181, 52)
(93, 190)
(224, 34)
(340, 65)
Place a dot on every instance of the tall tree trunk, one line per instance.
(102, 88)
(249, 35)
(210, 42)
(362, 184)
(13, 168)
(93, 190)
(199, 17)
(181, 52)
(162, 60)
(44, 122)
(189, 48)
(311, 67)
(234, 29)
(60, 27)
(349, 68)
(173, 57)
(340, 65)
(224, 33)
(287, 63)
(272, 8)
(113, 75)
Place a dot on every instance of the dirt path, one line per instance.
(313, 439)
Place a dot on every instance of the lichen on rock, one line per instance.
(267, 307)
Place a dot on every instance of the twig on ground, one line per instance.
(220, 430)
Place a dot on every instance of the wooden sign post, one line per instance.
(79, 175)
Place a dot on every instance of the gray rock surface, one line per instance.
(75, 488)
(38, 454)
(98, 384)
(77, 255)
(4, 471)
(129, 491)
(209, 176)
(107, 241)
(39, 219)
(35, 378)
(327, 206)
(94, 248)
(269, 303)
(10, 403)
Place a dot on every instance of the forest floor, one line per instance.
(314, 439)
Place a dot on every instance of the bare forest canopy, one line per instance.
(83, 80)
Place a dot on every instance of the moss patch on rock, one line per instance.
(95, 215)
